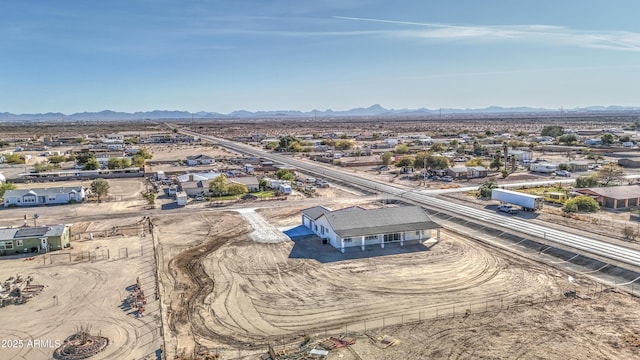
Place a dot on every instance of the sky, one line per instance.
(73, 56)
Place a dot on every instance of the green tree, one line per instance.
(284, 174)
(262, 184)
(478, 149)
(581, 204)
(272, 145)
(563, 166)
(125, 163)
(438, 147)
(100, 187)
(344, 145)
(405, 161)
(218, 186)
(44, 165)
(610, 173)
(114, 163)
(428, 161)
(607, 139)
(496, 163)
(6, 186)
(132, 140)
(13, 159)
(486, 187)
(402, 149)
(552, 130)
(287, 141)
(145, 153)
(386, 157)
(83, 157)
(57, 159)
(138, 160)
(237, 189)
(568, 139)
(91, 164)
(476, 162)
(587, 181)
(624, 138)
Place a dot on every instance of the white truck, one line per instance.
(528, 202)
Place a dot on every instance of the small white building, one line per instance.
(181, 198)
(355, 226)
(200, 160)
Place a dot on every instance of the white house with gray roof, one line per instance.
(355, 226)
(43, 196)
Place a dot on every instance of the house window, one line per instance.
(1, 245)
(316, 226)
(347, 240)
(52, 198)
(391, 237)
(371, 237)
(8, 245)
(29, 199)
(18, 242)
(322, 229)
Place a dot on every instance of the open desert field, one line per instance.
(233, 284)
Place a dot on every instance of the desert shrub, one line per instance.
(581, 204)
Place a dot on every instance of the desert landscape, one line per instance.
(226, 282)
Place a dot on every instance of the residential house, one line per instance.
(633, 162)
(27, 239)
(614, 197)
(43, 196)
(355, 226)
(580, 165)
(194, 188)
(458, 172)
(251, 182)
(464, 172)
(200, 160)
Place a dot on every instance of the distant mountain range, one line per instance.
(374, 110)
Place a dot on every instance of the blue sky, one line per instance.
(209, 55)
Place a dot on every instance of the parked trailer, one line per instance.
(545, 168)
(528, 202)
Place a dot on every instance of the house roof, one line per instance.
(245, 180)
(356, 221)
(42, 191)
(614, 192)
(192, 185)
(315, 212)
(199, 157)
(459, 169)
(198, 176)
(26, 232)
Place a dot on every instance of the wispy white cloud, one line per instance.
(545, 34)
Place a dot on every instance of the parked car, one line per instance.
(447, 178)
(199, 197)
(435, 178)
(507, 209)
(564, 173)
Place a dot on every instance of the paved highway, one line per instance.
(585, 245)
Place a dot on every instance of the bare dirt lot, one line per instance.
(85, 287)
(230, 294)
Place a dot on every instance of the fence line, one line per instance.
(491, 306)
